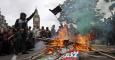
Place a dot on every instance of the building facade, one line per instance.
(36, 20)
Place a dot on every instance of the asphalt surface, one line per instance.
(19, 57)
(83, 56)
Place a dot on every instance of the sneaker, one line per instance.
(25, 52)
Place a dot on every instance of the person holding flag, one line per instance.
(21, 27)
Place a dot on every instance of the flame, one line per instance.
(63, 35)
(59, 40)
(50, 51)
(57, 43)
(83, 42)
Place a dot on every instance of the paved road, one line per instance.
(38, 46)
(19, 57)
(83, 56)
(94, 57)
(8, 57)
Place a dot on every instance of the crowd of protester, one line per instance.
(8, 38)
(11, 40)
(20, 38)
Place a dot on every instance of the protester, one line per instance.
(18, 43)
(53, 31)
(10, 38)
(48, 33)
(30, 41)
(21, 24)
(43, 32)
(1, 41)
(6, 43)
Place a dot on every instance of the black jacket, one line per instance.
(22, 24)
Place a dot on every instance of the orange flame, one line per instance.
(83, 42)
(63, 35)
(50, 51)
(59, 40)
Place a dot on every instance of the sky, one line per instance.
(11, 10)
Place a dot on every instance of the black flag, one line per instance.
(56, 10)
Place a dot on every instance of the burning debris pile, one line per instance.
(87, 23)
(64, 43)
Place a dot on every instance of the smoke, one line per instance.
(104, 23)
(80, 14)
(39, 45)
(89, 16)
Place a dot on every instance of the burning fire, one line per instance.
(50, 51)
(81, 42)
(62, 36)
(63, 33)
(57, 43)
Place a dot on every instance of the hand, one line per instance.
(35, 10)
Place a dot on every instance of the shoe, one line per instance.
(30, 50)
(2, 54)
(25, 52)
